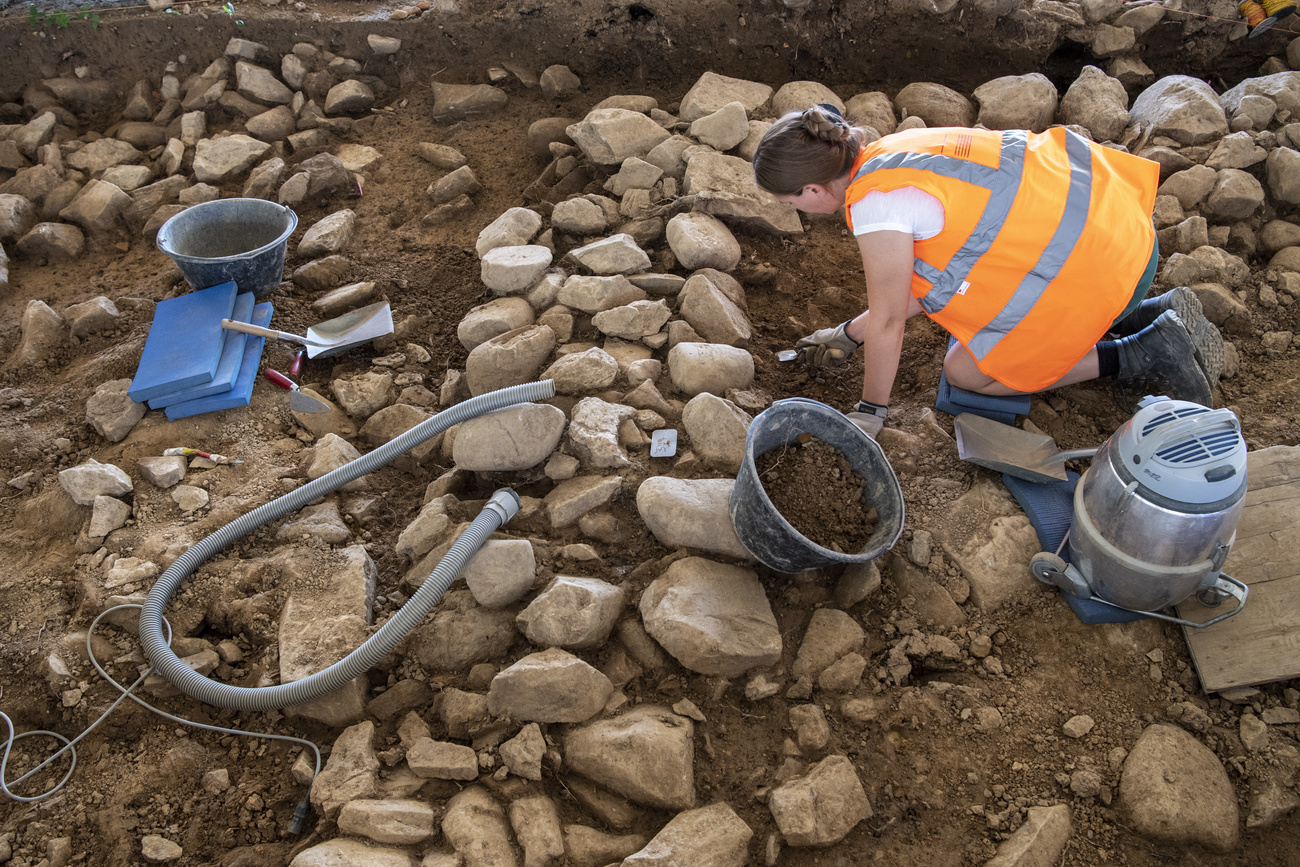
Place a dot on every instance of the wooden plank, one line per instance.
(1262, 643)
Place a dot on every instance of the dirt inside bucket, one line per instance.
(815, 488)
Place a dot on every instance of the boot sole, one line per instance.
(1194, 378)
(1207, 344)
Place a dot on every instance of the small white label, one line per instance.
(964, 286)
(663, 443)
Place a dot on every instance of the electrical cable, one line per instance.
(70, 746)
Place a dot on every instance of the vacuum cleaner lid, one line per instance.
(1184, 451)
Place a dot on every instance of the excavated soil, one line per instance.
(943, 792)
(814, 487)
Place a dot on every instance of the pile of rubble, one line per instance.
(627, 237)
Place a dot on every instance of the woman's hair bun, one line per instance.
(826, 125)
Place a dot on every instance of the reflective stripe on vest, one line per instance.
(1003, 185)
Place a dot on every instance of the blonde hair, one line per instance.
(813, 146)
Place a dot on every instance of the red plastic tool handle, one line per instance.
(295, 366)
(280, 379)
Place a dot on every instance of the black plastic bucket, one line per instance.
(766, 533)
(243, 240)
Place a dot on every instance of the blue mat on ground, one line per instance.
(232, 356)
(955, 401)
(242, 392)
(1050, 507)
(184, 343)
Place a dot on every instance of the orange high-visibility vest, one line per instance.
(1045, 237)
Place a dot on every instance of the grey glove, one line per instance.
(828, 347)
(869, 417)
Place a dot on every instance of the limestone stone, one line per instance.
(820, 808)
(581, 372)
(92, 479)
(935, 104)
(515, 438)
(260, 84)
(351, 771)
(440, 760)
(323, 522)
(1236, 151)
(90, 317)
(349, 97)
(587, 847)
(646, 755)
(98, 208)
(492, 319)
(572, 613)
(713, 618)
(509, 359)
(397, 821)
(1183, 108)
(452, 102)
(329, 235)
(475, 825)
(724, 187)
(17, 216)
(712, 836)
(1174, 789)
(52, 242)
(1236, 195)
(159, 850)
(1096, 102)
(592, 294)
(695, 368)
(702, 241)
(550, 686)
(516, 227)
(717, 429)
(217, 160)
(1281, 87)
(616, 254)
(579, 216)
(991, 559)
(575, 497)
(108, 514)
(692, 513)
(111, 412)
(1017, 102)
(509, 270)
(343, 852)
(634, 174)
(523, 753)
(633, 321)
(608, 136)
(272, 125)
(363, 396)
(712, 91)
(593, 432)
(1283, 170)
(1190, 186)
(722, 129)
(461, 633)
(1039, 840)
(536, 823)
(323, 622)
(162, 471)
(830, 635)
(103, 154)
(448, 158)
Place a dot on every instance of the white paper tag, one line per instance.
(964, 286)
(663, 443)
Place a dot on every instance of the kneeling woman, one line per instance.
(1029, 248)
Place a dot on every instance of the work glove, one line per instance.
(828, 347)
(869, 417)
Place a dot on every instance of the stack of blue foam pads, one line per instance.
(955, 401)
(190, 364)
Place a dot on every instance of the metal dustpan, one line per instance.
(1011, 450)
(333, 335)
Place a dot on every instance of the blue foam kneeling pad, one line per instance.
(232, 356)
(185, 342)
(1050, 508)
(242, 391)
(955, 401)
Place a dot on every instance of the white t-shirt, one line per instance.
(906, 209)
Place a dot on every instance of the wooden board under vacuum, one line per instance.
(1262, 643)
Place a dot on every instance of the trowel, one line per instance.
(298, 402)
(1011, 450)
